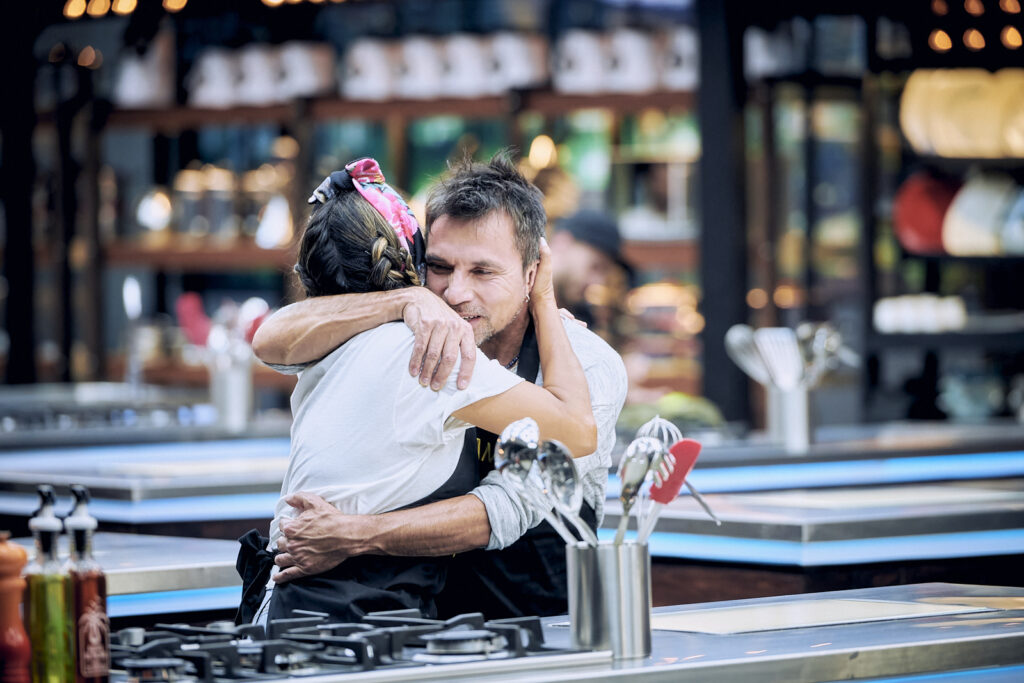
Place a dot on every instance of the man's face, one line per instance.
(475, 267)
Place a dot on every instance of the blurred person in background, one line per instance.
(483, 220)
(591, 277)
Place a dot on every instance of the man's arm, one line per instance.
(321, 537)
(606, 379)
(608, 383)
(308, 330)
(492, 516)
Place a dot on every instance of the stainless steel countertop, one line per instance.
(137, 563)
(864, 441)
(818, 515)
(173, 469)
(899, 647)
(152, 471)
(843, 526)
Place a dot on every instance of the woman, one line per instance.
(366, 436)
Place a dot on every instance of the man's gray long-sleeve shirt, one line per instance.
(606, 379)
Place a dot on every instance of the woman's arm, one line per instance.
(562, 406)
(308, 330)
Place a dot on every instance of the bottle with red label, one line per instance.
(89, 588)
(14, 647)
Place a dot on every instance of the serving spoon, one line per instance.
(632, 471)
(514, 457)
(563, 484)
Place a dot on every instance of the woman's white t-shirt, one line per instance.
(366, 436)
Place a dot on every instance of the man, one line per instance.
(586, 255)
(482, 222)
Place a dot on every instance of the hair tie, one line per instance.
(331, 186)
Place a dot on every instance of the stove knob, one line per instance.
(225, 626)
(132, 637)
(156, 669)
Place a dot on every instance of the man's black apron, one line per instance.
(528, 577)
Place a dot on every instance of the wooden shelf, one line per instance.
(811, 79)
(959, 165)
(177, 374)
(178, 118)
(241, 255)
(480, 107)
(998, 261)
(681, 254)
(1010, 342)
(548, 102)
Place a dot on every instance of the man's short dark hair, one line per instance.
(471, 190)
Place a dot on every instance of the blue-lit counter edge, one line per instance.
(897, 470)
(888, 470)
(829, 553)
(171, 602)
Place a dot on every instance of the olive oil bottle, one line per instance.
(48, 600)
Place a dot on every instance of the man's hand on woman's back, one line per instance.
(318, 538)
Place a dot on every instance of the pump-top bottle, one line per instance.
(89, 589)
(48, 602)
(14, 646)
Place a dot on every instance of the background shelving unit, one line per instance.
(879, 148)
(209, 255)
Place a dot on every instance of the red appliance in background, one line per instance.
(918, 211)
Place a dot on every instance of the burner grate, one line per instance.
(309, 643)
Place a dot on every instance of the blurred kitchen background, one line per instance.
(769, 164)
(820, 204)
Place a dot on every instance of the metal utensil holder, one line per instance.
(789, 418)
(610, 597)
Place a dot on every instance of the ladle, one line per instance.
(564, 486)
(514, 457)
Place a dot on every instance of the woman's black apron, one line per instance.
(528, 577)
(362, 584)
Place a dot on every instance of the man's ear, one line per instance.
(531, 276)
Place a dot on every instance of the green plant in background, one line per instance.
(434, 140)
(586, 148)
(339, 142)
(686, 411)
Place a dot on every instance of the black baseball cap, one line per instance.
(599, 230)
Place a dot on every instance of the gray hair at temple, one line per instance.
(471, 190)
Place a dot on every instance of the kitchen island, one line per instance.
(867, 505)
(966, 632)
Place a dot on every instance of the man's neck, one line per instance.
(504, 345)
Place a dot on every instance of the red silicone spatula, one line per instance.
(685, 452)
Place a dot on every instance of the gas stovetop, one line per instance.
(400, 643)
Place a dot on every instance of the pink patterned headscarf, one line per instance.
(365, 175)
(369, 182)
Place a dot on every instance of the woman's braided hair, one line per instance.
(348, 247)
